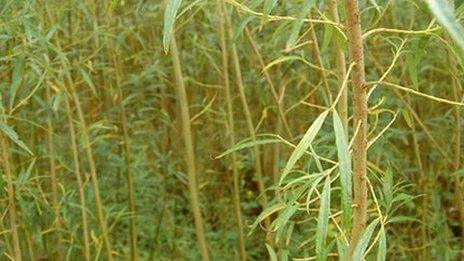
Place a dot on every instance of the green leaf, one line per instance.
(244, 145)
(361, 247)
(269, 6)
(272, 253)
(328, 34)
(87, 79)
(266, 213)
(241, 27)
(169, 20)
(342, 248)
(304, 144)
(403, 219)
(284, 255)
(344, 161)
(445, 16)
(14, 137)
(24, 176)
(296, 27)
(323, 220)
(387, 187)
(284, 217)
(382, 251)
(17, 77)
(281, 60)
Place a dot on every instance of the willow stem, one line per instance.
(188, 143)
(230, 121)
(356, 52)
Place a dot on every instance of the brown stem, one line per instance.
(188, 143)
(356, 52)
(80, 184)
(53, 179)
(230, 121)
(249, 121)
(11, 197)
(341, 68)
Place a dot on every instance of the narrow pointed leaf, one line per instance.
(14, 137)
(17, 77)
(266, 213)
(296, 27)
(307, 139)
(323, 220)
(358, 253)
(272, 253)
(244, 145)
(344, 160)
(382, 252)
(169, 20)
(444, 13)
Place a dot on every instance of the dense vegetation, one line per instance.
(231, 130)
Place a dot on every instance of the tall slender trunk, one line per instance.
(53, 178)
(128, 162)
(275, 96)
(11, 197)
(80, 184)
(188, 143)
(248, 118)
(356, 52)
(316, 53)
(231, 133)
(458, 192)
(93, 171)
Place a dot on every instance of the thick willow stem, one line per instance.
(356, 52)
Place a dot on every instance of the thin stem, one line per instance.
(275, 96)
(249, 121)
(230, 120)
(127, 159)
(188, 143)
(80, 184)
(341, 68)
(53, 179)
(11, 197)
(93, 171)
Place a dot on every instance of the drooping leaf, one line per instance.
(387, 184)
(344, 161)
(17, 77)
(284, 216)
(241, 27)
(269, 6)
(272, 253)
(323, 220)
(303, 145)
(14, 137)
(444, 13)
(342, 248)
(244, 145)
(169, 20)
(361, 247)
(265, 214)
(382, 251)
(296, 27)
(281, 60)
